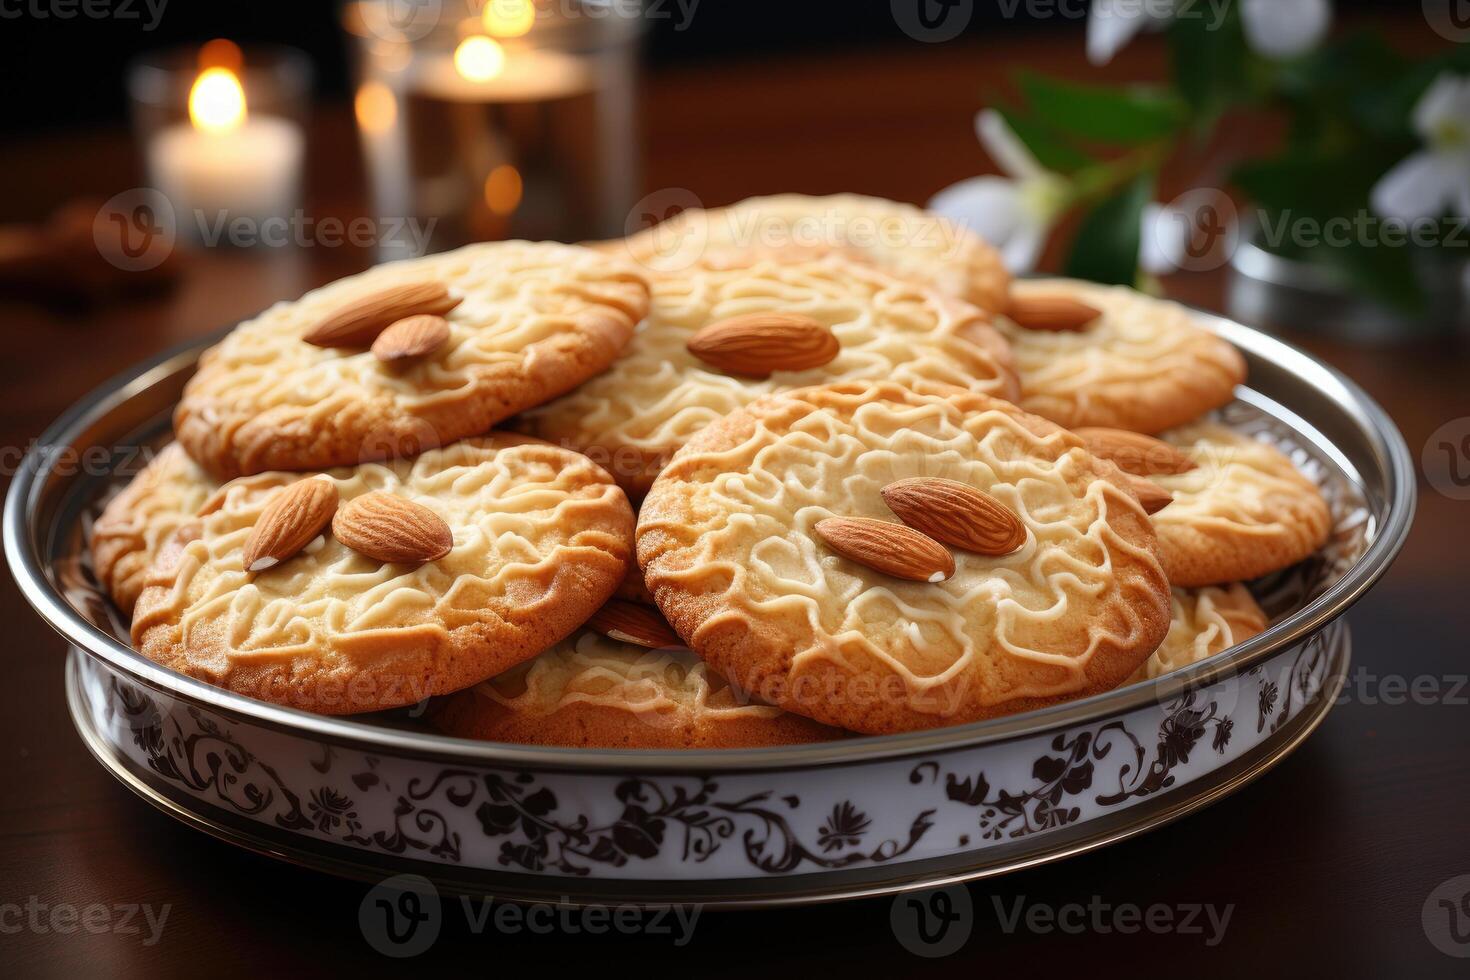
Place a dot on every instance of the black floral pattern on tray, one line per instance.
(689, 819)
(208, 760)
(698, 822)
(845, 827)
(1064, 777)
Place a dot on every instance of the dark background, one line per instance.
(69, 71)
(1328, 860)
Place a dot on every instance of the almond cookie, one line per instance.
(763, 539)
(537, 537)
(1140, 363)
(911, 243)
(407, 356)
(134, 525)
(1204, 622)
(1242, 512)
(170, 492)
(717, 339)
(589, 691)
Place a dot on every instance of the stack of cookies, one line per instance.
(770, 474)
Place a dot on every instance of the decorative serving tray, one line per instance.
(380, 795)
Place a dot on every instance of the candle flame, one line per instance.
(479, 58)
(376, 106)
(221, 53)
(509, 18)
(503, 189)
(217, 101)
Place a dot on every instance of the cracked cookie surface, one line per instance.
(533, 321)
(137, 522)
(541, 539)
(1242, 512)
(658, 394)
(909, 242)
(590, 691)
(1143, 365)
(1202, 623)
(728, 546)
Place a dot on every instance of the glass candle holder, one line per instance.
(223, 135)
(498, 119)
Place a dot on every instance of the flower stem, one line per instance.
(1101, 180)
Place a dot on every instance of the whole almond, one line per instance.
(389, 528)
(1153, 497)
(956, 514)
(633, 622)
(358, 323)
(411, 338)
(295, 514)
(759, 344)
(1054, 313)
(893, 549)
(1134, 452)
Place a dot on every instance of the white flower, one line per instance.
(1116, 22)
(1164, 240)
(1015, 212)
(1273, 28)
(1436, 179)
(1285, 28)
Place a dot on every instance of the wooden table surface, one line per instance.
(1326, 862)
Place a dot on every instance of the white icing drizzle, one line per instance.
(751, 511)
(515, 296)
(592, 669)
(913, 244)
(657, 395)
(135, 524)
(1141, 350)
(1240, 485)
(516, 511)
(1202, 623)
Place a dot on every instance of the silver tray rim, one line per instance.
(1393, 477)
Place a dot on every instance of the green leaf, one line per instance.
(1052, 151)
(1316, 186)
(1356, 60)
(1354, 89)
(1117, 116)
(1298, 183)
(1106, 247)
(1210, 62)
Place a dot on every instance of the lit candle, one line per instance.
(481, 70)
(226, 159)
